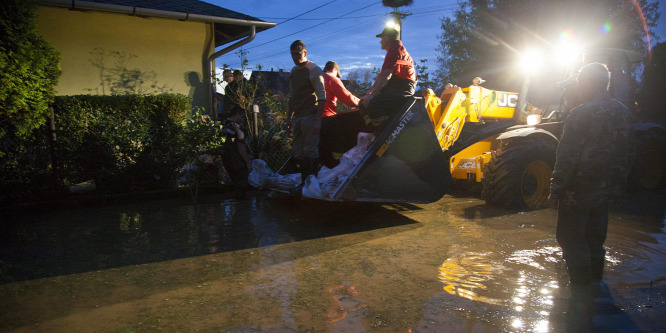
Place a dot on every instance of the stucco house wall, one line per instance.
(101, 50)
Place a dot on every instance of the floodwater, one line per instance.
(276, 264)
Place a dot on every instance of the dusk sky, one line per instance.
(343, 31)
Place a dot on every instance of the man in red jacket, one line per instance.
(394, 85)
(331, 143)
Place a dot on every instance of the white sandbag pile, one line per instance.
(263, 177)
(328, 180)
(321, 186)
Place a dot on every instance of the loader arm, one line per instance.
(456, 106)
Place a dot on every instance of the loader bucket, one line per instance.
(405, 163)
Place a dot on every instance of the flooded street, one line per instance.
(276, 264)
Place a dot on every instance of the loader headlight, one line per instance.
(531, 61)
(533, 119)
(569, 54)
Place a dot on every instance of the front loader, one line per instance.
(484, 136)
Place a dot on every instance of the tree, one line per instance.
(29, 70)
(424, 82)
(651, 97)
(485, 37)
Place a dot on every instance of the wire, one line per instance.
(320, 19)
(311, 10)
(316, 25)
(342, 33)
(324, 38)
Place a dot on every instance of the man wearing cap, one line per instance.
(569, 95)
(230, 99)
(304, 111)
(394, 85)
(591, 168)
(331, 143)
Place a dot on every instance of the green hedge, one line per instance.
(123, 142)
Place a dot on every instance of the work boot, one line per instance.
(580, 314)
(597, 269)
(310, 166)
(579, 275)
(313, 164)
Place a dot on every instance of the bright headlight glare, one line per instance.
(533, 119)
(530, 62)
(568, 54)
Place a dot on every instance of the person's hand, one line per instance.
(365, 100)
(553, 201)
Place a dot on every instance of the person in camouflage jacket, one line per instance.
(591, 168)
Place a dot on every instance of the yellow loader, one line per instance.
(484, 136)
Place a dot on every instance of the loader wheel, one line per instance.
(648, 171)
(518, 174)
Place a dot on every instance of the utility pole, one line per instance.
(397, 17)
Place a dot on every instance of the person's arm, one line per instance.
(240, 145)
(568, 155)
(377, 87)
(317, 81)
(346, 97)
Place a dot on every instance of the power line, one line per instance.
(316, 25)
(311, 10)
(324, 38)
(419, 12)
(319, 19)
(342, 33)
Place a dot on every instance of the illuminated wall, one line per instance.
(107, 52)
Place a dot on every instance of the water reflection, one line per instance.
(43, 244)
(518, 282)
(469, 277)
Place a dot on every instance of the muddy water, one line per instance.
(273, 264)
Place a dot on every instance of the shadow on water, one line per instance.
(38, 245)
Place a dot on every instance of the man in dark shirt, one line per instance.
(306, 105)
(394, 85)
(236, 160)
(591, 168)
(229, 100)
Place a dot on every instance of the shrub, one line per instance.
(124, 142)
(29, 70)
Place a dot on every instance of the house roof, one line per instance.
(229, 25)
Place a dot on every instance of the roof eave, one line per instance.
(147, 12)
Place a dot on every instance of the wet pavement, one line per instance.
(275, 264)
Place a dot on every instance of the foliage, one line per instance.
(424, 82)
(274, 145)
(361, 80)
(202, 146)
(397, 3)
(29, 69)
(124, 142)
(485, 37)
(25, 169)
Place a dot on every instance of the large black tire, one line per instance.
(518, 174)
(648, 171)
